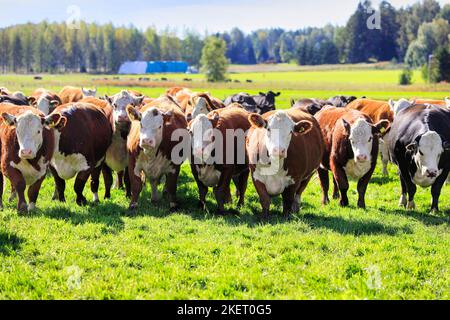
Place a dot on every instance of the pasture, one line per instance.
(63, 251)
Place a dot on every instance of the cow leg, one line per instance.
(403, 201)
(436, 191)
(411, 188)
(126, 179)
(171, 187)
(341, 179)
(325, 184)
(264, 198)
(362, 188)
(120, 179)
(155, 194)
(19, 184)
(136, 186)
(60, 186)
(241, 183)
(384, 157)
(95, 177)
(33, 193)
(13, 194)
(108, 179)
(1, 190)
(298, 197)
(222, 190)
(336, 194)
(80, 182)
(288, 200)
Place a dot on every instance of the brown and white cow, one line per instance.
(27, 145)
(377, 111)
(81, 142)
(199, 103)
(45, 100)
(285, 149)
(150, 145)
(219, 155)
(351, 149)
(70, 94)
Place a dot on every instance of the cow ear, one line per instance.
(55, 121)
(189, 117)
(292, 102)
(347, 126)
(303, 127)
(381, 127)
(214, 118)
(262, 94)
(412, 147)
(167, 116)
(54, 103)
(9, 119)
(31, 101)
(278, 94)
(257, 121)
(392, 104)
(138, 100)
(109, 99)
(133, 114)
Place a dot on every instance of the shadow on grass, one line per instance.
(382, 180)
(107, 213)
(9, 243)
(426, 218)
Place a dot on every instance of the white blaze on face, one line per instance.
(200, 107)
(89, 92)
(202, 135)
(427, 157)
(278, 135)
(43, 104)
(152, 123)
(361, 140)
(29, 134)
(119, 103)
(400, 105)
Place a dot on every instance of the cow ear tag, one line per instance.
(383, 130)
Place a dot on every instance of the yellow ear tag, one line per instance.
(383, 130)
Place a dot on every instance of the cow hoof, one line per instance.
(233, 212)
(265, 216)
(343, 204)
(12, 197)
(326, 201)
(411, 205)
(403, 201)
(221, 212)
(336, 196)
(361, 205)
(154, 202)
(434, 211)
(174, 207)
(201, 205)
(22, 209)
(82, 202)
(132, 209)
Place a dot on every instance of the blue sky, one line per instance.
(200, 15)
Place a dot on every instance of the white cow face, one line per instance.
(202, 133)
(427, 153)
(152, 125)
(200, 107)
(400, 105)
(361, 137)
(279, 129)
(89, 92)
(447, 101)
(119, 103)
(46, 106)
(29, 132)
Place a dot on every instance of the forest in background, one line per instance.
(409, 34)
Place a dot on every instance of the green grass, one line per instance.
(62, 251)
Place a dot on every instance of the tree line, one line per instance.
(410, 34)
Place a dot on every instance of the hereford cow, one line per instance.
(150, 145)
(377, 111)
(285, 149)
(341, 101)
(81, 142)
(200, 103)
(311, 106)
(70, 94)
(45, 100)
(217, 169)
(27, 146)
(17, 100)
(351, 149)
(420, 146)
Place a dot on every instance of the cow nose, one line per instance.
(123, 118)
(148, 143)
(25, 153)
(361, 158)
(432, 173)
(280, 152)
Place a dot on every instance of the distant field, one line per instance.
(63, 251)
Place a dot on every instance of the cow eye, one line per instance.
(39, 132)
(421, 153)
(370, 140)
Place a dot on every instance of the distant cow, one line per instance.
(291, 143)
(200, 103)
(81, 142)
(311, 106)
(150, 146)
(351, 150)
(377, 111)
(26, 150)
(15, 100)
(45, 100)
(73, 94)
(420, 146)
(341, 101)
(245, 100)
(209, 171)
(266, 101)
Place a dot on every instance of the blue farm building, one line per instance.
(143, 67)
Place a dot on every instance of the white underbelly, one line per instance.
(208, 175)
(68, 166)
(29, 173)
(357, 170)
(275, 182)
(154, 167)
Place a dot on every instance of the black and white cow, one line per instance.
(419, 144)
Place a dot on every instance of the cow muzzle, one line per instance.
(279, 153)
(148, 143)
(26, 154)
(362, 158)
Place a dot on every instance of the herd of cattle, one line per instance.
(74, 134)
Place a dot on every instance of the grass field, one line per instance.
(62, 251)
